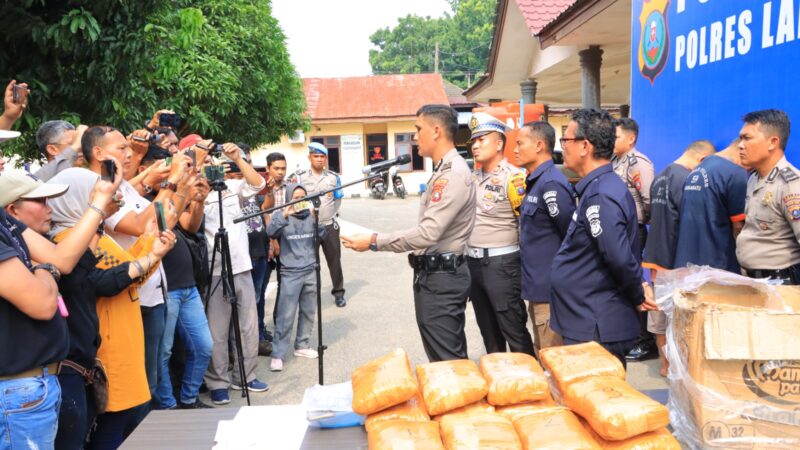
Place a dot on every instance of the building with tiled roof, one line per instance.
(540, 13)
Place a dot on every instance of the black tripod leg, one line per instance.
(229, 294)
(320, 347)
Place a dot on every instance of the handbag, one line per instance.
(97, 378)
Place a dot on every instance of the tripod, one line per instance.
(221, 243)
(315, 200)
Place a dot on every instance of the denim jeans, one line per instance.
(30, 412)
(153, 319)
(77, 412)
(185, 313)
(260, 273)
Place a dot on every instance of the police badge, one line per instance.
(552, 205)
(593, 216)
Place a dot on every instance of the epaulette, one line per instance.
(446, 166)
(788, 175)
(632, 159)
(772, 174)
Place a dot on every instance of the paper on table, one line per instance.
(263, 427)
(349, 228)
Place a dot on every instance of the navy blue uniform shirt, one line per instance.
(666, 193)
(597, 272)
(545, 215)
(713, 197)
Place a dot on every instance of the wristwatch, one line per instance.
(147, 188)
(373, 242)
(166, 184)
(50, 268)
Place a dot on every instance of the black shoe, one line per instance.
(642, 351)
(340, 301)
(268, 336)
(264, 348)
(196, 405)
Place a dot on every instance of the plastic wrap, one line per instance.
(553, 429)
(512, 411)
(472, 408)
(570, 363)
(413, 411)
(330, 406)
(734, 360)
(405, 435)
(654, 440)
(382, 383)
(513, 378)
(447, 385)
(479, 430)
(615, 410)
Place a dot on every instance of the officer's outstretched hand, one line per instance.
(649, 303)
(358, 242)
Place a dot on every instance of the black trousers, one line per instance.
(644, 335)
(332, 248)
(439, 302)
(499, 310)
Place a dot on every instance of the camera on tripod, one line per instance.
(215, 174)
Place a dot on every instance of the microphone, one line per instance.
(383, 165)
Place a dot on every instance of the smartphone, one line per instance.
(169, 120)
(138, 138)
(108, 170)
(214, 173)
(167, 161)
(193, 156)
(161, 220)
(19, 94)
(232, 167)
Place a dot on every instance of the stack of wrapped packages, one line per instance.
(506, 403)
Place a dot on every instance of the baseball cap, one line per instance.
(482, 123)
(316, 147)
(189, 141)
(8, 134)
(20, 185)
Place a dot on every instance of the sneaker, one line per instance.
(264, 348)
(253, 386)
(340, 301)
(276, 365)
(220, 396)
(306, 353)
(196, 405)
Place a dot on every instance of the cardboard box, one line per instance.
(740, 347)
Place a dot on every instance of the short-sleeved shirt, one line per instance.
(546, 213)
(665, 206)
(637, 171)
(499, 194)
(26, 343)
(769, 239)
(713, 198)
(330, 202)
(597, 272)
(446, 212)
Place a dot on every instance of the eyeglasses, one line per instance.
(563, 140)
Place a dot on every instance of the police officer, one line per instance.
(438, 242)
(317, 179)
(545, 216)
(599, 285)
(493, 248)
(637, 171)
(768, 244)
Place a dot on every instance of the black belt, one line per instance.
(436, 262)
(770, 273)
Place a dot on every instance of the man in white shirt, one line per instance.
(218, 378)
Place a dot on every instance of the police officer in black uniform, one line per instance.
(599, 287)
(439, 241)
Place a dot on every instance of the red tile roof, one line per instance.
(540, 13)
(373, 97)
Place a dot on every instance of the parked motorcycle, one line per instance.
(398, 186)
(377, 186)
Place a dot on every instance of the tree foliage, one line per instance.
(464, 37)
(221, 64)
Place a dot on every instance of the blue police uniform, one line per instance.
(545, 215)
(598, 281)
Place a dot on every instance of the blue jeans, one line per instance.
(185, 313)
(153, 320)
(260, 273)
(30, 412)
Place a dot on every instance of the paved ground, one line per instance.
(379, 315)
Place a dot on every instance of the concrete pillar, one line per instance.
(528, 89)
(591, 60)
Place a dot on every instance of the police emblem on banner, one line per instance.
(654, 42)
(552, 205)
(593, 216)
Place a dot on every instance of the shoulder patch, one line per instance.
(789, 175)
(437, 191)
(792, 204)
(593, 216)
(550, 198)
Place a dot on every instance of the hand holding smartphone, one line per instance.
(108, 170)
(161, 219)
(20, 94)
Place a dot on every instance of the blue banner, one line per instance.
(697, 66)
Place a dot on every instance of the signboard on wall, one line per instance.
(352, 158)
(699, 65)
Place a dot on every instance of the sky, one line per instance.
(330, 38)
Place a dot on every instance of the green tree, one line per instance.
(464, 37)
(222, 64)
